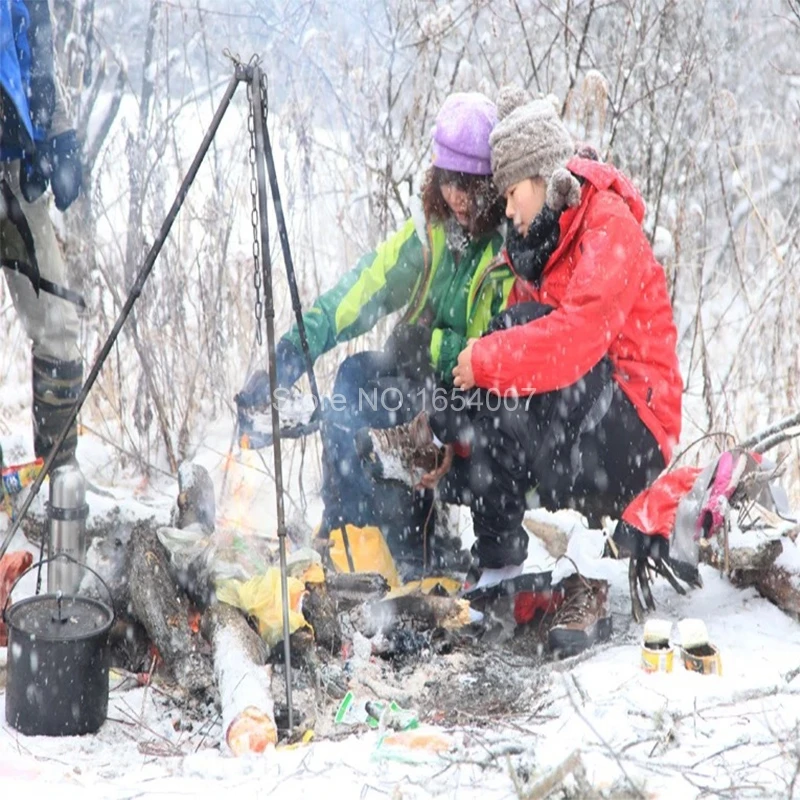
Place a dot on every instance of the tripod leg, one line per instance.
(260, 136)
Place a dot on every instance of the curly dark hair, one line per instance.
(487, 206)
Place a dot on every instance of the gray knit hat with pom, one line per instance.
(530, 141)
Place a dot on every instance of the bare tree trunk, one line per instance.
(136, 153)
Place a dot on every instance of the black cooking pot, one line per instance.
(57, 681)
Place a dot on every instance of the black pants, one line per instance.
(367, 393)
(581, 447)
(372, 390)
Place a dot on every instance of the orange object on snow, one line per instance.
(252, 731)
(12, 565)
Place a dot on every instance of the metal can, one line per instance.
(706, 660)
(657, 659)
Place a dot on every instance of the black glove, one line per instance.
(67, 177)
(649, 552)
(255, 393)
(289, 365)
(409, 349)
(520, 314)
(58, 161)
(32, 179)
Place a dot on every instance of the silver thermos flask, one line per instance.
(67, 512)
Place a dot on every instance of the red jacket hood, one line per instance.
(604, 176)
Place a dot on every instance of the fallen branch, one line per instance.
(554, 778)
(758, 439)
(782, 588)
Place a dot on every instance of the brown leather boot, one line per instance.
(403, 453)
(582, 619)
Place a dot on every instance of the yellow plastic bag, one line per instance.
(260, 597)
(369, 552)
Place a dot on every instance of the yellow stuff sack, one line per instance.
(369, 552)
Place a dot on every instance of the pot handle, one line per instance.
(68, 557)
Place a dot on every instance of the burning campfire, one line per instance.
(199, 606)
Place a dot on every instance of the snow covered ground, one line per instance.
(635, 734)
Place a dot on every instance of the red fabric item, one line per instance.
(526, 604)
(610, 297)
(12, 565)
(653, 510)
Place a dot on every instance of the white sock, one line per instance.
(491, 577)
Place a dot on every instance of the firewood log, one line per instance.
(319, 608)
(243, 679)
(109, 555)
(756, 566)
(782, 588)
(195, 505)
(351, 589)
(418, 612)
(162, 607)
(756, 558)
(553, 537)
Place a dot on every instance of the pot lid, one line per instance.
(56, 617)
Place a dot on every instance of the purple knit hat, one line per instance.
(461, 133)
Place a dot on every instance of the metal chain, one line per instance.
(259, 307)
(264, 97)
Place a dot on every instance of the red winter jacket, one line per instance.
(610, 296)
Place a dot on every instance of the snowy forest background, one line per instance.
(698, 101)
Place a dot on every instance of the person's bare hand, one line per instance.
(430, 479)
(463, 377)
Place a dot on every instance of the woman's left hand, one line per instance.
(430, 479)
(463, 377)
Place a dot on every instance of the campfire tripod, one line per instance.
(261, 155)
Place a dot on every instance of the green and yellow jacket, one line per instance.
(454, 296)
